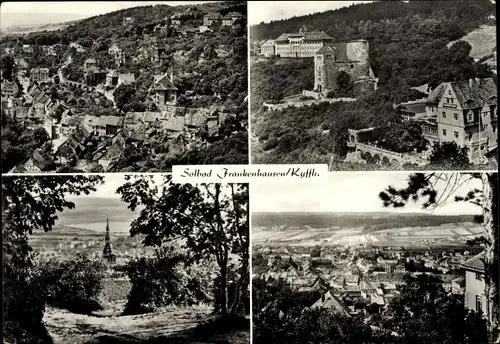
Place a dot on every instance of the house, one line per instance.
(329, 301)
(464, 112)
(458, 285)
(400, 269)
(28, 49)
(203, 28)
(173, 125)
(230, 18)
(77, 47)
(35, 163)
(94, 76)
(108, 125)
(268, 48)
(165, 91)
(74, 147)
(475, 297)
(109, 152)
(21, 63)
(126, 78)
(9, 88)
(128, 20)
(368, 288)
(39, 74)
(114, 49)
(112, 78)
(177, 19)
(69, 123)
(90, 62)
(212, 19)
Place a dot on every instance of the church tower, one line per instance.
(107, 253)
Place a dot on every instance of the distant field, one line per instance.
(482, 40)
(404, 236)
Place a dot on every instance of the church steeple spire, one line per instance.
(107, 253)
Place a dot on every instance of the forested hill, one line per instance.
(408, 40)
(369, 20)
(111, 24)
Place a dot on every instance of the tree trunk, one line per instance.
(223, 290)
(490, 223)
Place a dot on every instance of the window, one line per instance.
(479, 303)
(482, 147)
(479, 276)
(470, 137)
(449, 92)
(484, 127)
(444, 114)
(444, 132)
(455, 134)
(455, 116)
(352, 66)
(451, 100)
(470, 117)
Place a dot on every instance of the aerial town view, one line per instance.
(133, 90)
(382, 258)
(384, 85)
(116, 259)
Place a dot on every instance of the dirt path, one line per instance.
(69, 328)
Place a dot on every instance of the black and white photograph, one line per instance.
(134, 86)
(124, 259)
(374, 85)
(371, 258)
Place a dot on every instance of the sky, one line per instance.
(111, 183)
(346, 192)
(266, 11)
(36, 13)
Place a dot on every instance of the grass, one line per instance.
(482, 40)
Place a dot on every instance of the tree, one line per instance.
(30, 203)
(211, 218)
(344, 84)
(123, 95)
(449, 155)
(424, 186)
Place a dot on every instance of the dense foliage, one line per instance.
(408, 47)
(168, 279)
(422, 310)
(449, 155)
(29, 204)
(71, 284)
(211, 219)
(19, 142)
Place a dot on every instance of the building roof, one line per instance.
(233, 15)
(436, 94)
(126, 78)
(475, 93)
(308, 36)
(173, 124)
(40, 161)
(213, 16)
(115, 121)
(195, 118)
(328, 300)
(163, 83)
(475, 263)
(343, 52)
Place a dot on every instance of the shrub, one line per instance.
(73, 285)
(167, 279)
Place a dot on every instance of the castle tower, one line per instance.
(107, 253)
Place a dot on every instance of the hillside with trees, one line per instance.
(408, 47)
